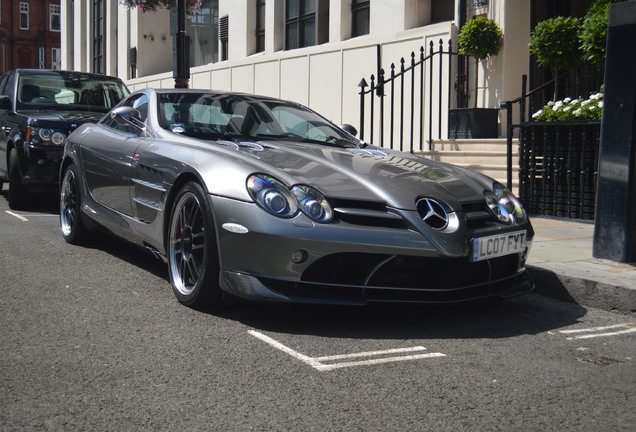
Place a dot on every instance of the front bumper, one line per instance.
(40, 170)
(299, 261)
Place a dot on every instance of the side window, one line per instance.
(8, 88)
(3, 83)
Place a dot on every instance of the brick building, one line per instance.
(30, 34)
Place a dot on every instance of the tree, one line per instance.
(480, 38)
(555, 43)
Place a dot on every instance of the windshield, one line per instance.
(68, 90)
(212, 116)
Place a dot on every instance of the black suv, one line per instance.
(38, 110)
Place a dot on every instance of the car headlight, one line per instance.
(312, 203)
(279, 200)
(46, 136)
(504, 205)
(272, 195)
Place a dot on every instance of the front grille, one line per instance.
(366, 213)
(408, 272)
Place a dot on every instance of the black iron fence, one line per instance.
(558, 168)
(558, 161)
(409, 106)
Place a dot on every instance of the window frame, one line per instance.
(25, 15)
(358, 9)
(259, 33)
(55, 10)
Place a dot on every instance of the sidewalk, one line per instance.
(563, 267)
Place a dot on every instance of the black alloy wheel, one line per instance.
(73, 227)
(192, 249)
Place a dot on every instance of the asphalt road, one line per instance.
(92, 338)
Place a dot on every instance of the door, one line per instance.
(108, 158)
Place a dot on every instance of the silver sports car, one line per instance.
(267, 200)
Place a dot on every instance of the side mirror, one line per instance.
(5, 102)
(349, 129)
(128, 116)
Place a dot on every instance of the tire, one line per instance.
(193, 258)
(19, 196)
(73, 227)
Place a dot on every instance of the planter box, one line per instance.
(466, 123)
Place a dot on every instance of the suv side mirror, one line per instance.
(5, 102)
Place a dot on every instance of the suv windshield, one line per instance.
(68, 90)
(217, 116)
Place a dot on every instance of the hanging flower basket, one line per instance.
(192, 6)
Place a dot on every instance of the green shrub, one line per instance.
(555, 43)
(480, 38)
(593, 35)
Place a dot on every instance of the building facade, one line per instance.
(315, 52)
(30, 34)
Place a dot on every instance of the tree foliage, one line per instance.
(555, 43)
(480, 38)
(593, 35)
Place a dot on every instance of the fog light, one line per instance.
(299, 256)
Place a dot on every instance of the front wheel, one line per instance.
(73, 228)
(192, 250)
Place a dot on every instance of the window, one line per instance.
(224, 31)
(202, 29)
(41, 58)
(99, 40)
(56, 58)
(306, 23)
(55, 22)
(24, 16)
(260, 25)
(360, 17)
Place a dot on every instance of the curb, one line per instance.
(585, 292)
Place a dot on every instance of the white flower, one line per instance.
(586, 102)
(567, 108)
(567, 100)
(537, 114)
(578, 112)
(600, 104)
(551, 103)
(557, 105)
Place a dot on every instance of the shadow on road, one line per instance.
(528, 314)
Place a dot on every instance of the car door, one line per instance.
(108, 157)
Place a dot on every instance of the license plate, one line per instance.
(498, 245)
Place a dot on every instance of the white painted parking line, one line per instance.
(594, 332)
(319, 362)
(22, 218)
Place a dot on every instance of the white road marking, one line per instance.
(594, 332)
(22, 218)
(318, 362)
(370, 353)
